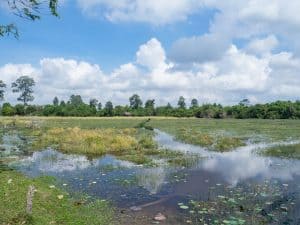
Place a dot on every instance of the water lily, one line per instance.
(183, 207)
(60, 196)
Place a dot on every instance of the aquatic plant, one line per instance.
(266, 203)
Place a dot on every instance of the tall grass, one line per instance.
(90, 142)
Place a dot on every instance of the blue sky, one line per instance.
(80, 37)
(211, 50)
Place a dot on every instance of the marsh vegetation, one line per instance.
(206, 171)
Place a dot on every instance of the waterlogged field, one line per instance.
(140, 171)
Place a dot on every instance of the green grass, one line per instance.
(215, 142)
(273, 130)
(218, 135)
(227, 134)
(47, 207)
(284, 151)
(116, 137)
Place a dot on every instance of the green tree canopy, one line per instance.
(62, 103)
(150, 104)
(194, 103)
(93, 103)
(24, 84)
(108, 109)
(75, 100)
(99, 106)
(7, 110)
(149, 108)
(135, 101)
(181, 102)
(2, 87)
(55, 101)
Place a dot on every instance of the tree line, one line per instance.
(75, 106)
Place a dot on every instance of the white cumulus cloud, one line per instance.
(149, 11)
(235, 75)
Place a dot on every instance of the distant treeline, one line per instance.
(76, 107)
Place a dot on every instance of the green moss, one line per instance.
(47, 207)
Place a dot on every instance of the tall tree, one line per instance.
(24, 84)
(169, 106)
(181, 102)
(108, 109)
(150, 104)
(194, 103)
(93, 103)
(99, 106)
(27, 9)
(55, 101)
(75, 100)
(62, 103)
(149, 107)
(2, 87)
(135, 101)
